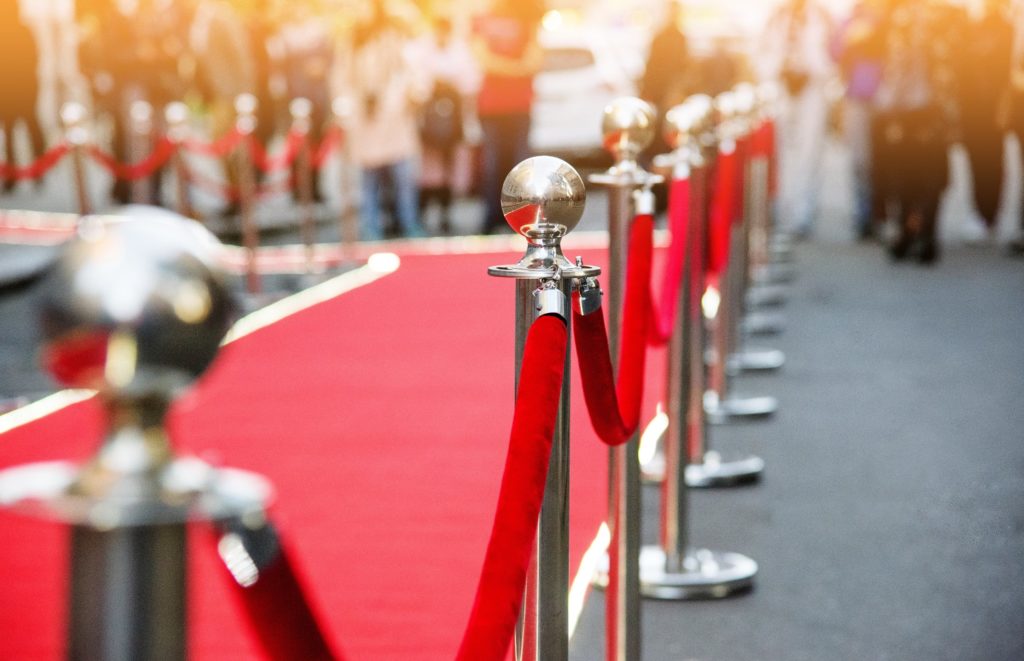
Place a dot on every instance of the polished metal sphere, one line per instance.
(745, 95)
(679, 124)
(628, 126)
(543, 193)
(135, 307)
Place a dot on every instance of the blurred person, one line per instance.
(1015, 107)
(19, 80)
(668, 75)
(509, 55)
(860, 49)
(386, 89)
(983, 85)
(447, 60)
(306, 60)
(794, 51)
(915, 125)
(720, 70)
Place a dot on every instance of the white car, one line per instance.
(581, 74)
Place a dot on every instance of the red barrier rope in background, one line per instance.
(37, 168)
(331, 141)
(220, 147)
(663, 316)
(162, 151)
(615, 407)
(499, 594)
(267, 163)
(723, 210)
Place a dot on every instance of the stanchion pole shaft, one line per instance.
(622, 611)
(304, 173)
(696, 421)
(184, 203)
(128, 593)
(543, 634)
(674, 492)
(250, 233)
(81, 181)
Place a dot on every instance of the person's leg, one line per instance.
(857, 125)
(985, 153)
(369, 205)
(406, 186)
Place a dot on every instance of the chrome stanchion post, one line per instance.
(543, 199)
(348, 225)
(301, 110)
(73, 117)
(245, 124)
(720, 304)
(675, 569)
(140, 114)
(628, 126)
(743, 358)
(176, 117)
(150, 325)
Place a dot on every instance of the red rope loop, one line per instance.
(162, 151)
(723, 209)
(262, 160)
(37, 168)
(219, 148)
(499, 594)
(663, 315)
(331, 141)
(615, 407)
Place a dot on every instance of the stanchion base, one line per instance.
(736, 406)
(714, 472)
(766, 296)
(755, 360)
(653, 470)
(706, 574)
(762, 323)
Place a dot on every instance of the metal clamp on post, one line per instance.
(542, 199)
(148, 328)
(590, 295)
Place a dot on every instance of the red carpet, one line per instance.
(382, 417)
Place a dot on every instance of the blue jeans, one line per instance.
(506, 142)
(403, 177)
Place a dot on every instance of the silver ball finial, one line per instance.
(135, 307)
(543, 194)
(680, 122)
(628, 126)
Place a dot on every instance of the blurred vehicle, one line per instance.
(581, 74)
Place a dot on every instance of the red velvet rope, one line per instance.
(663, 316)
(279, 614)
(220, 147)
(330, 142)
(265, 162)
(37, 168)
(162, 151)
(499, 594)
(723, 210)
(615, 407)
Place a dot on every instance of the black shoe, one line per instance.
(928, 254)
(1016, 247)
(899, 250)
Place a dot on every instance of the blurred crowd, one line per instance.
(416, 81)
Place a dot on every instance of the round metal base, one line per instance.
(736, 406)
(715, 472)
(766, 296)
(755, 360)
(705, 574)
(762, 323)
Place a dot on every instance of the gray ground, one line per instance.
(890, 523)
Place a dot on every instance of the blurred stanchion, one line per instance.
(543, 199)
(245, 125)
(301, 110)
(628, 126)
(722, 301)
(176, 118)
(77, 135)
(348, 225)
(140, 143)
